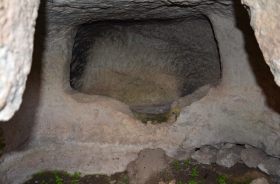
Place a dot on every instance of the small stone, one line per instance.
(149, 122)
(253, 157)
(149, 163)
(218, 146)
(171, 119)
(228, 145)
(259, 181)
(228, 157)
(172, 182)
(113, 182)
(174, 104)
(206, 155)
(270, 166)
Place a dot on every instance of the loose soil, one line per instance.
(179, 172)
(51, 177)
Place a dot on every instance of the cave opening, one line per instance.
(146, 64)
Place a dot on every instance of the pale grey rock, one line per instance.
(17, 20)
(228, 145)
(228, 157)
(252, 157)
(113, 182)
(206, 155)
(218, 146)
(271, 166)
(182, 154)
(264, 19)
(260, 181)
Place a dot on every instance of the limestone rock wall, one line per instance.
(58, 128)
(17, 20)
(266, 24)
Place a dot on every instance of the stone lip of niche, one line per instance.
(145, 64)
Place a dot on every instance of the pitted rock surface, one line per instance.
(270, 166)
(17, 21)
(253, 157)
(228, 157)
(264, 20)
(206, 155)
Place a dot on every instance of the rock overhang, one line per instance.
(77, 13)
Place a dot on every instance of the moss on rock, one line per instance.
(157, 118)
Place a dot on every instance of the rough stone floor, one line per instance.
(154, 167)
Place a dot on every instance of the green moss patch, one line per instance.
(61, 177)
(157, 118)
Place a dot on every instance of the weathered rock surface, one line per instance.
(266, 24)
(126, 10)
(259, 181)
(149, 163)
(228, 145)
(270, 166)
(56, 124)
(228, 157)
(17, 20)
(206, 155)
(253, 157)
(264, 18)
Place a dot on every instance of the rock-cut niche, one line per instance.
(145, 63)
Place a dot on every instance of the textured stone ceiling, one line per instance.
(85, 11)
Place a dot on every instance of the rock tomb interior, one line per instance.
(97, 65)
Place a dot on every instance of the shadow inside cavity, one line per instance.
(151, 62)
